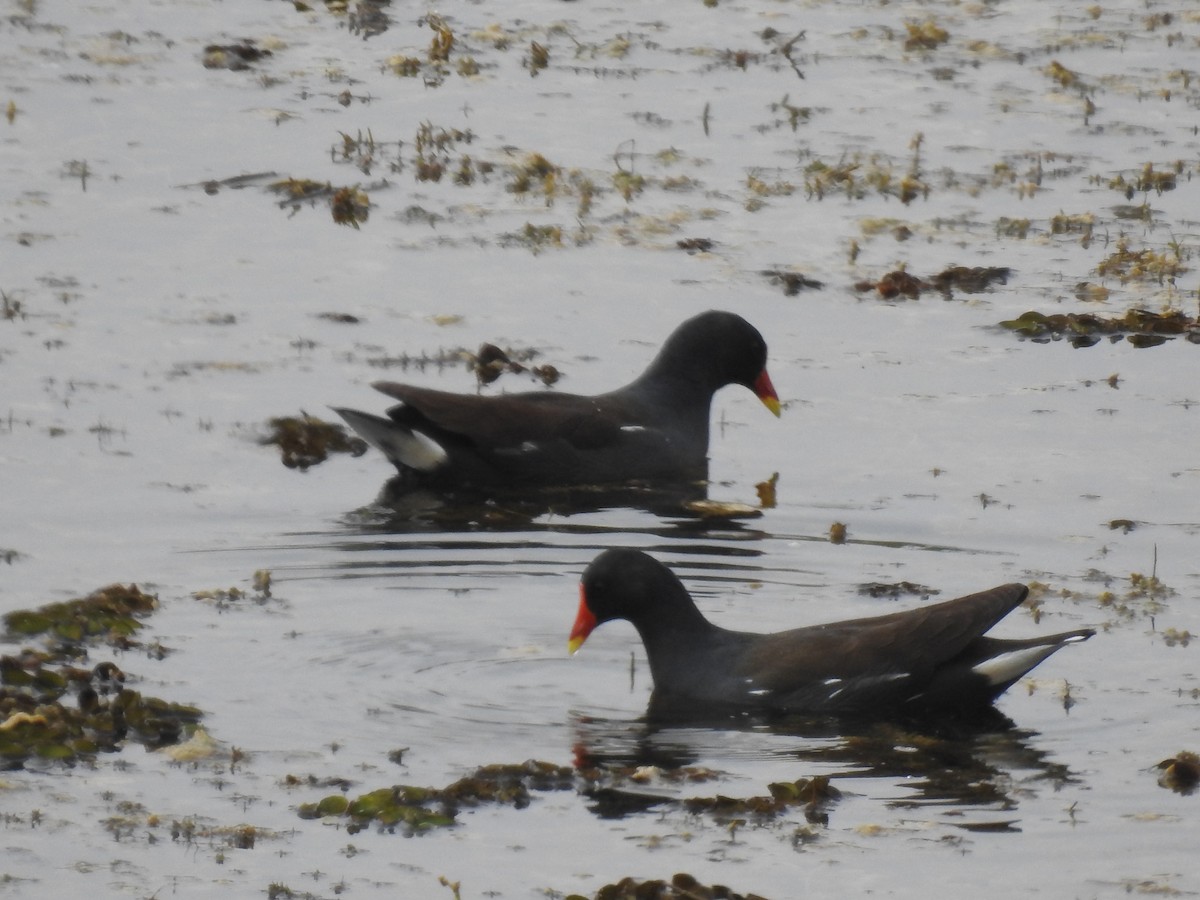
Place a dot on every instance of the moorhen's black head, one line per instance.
(714, 349)
(627, 584)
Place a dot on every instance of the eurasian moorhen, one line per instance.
(933, 658)
(653, 429)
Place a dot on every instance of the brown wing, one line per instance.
(509, 420)
(914, 641)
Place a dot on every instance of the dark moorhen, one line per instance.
(653, 429)
(931, 659)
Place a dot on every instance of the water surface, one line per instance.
(156, 320)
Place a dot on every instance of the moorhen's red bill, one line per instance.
(653, 429)
(927, 659)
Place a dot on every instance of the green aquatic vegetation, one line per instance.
(432, 154)
(794, 115)
(404, 66)
(222, 597)
(358, 149)
(1140, 327)
(348, 205)
(759, 187)
(767, 491)
(586, 190)
(873, 226)
(1064, 77)
(1144, 596)
(53, 709)
(532, 173)
(628, 184)
(443, 38)
(842, 177)
(300, 189)
(1143, 265)
(681, 887)
(1078, 223)
(1148, 179)
(1030, 171)
(465, 174)
(814, 795)
(857, 175)
(619, 791)
(1148, 587)
(534, 238)
(1174, 637)
(433, 68)
(416, 810)
(112, 614)
(40, 723)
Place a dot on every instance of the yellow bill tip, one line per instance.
(765, 391)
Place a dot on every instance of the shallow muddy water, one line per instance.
(162, 302)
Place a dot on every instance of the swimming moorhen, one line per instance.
(653, 429)
(933, 658)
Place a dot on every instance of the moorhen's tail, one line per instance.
(987, 667)
(406, 448)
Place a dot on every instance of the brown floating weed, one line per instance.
(1065, 77)
(404, 66)
(305, 440)
(969, 279)
(538, 59)
(792, 282)
(794, 115)
(350, 206)
(1142, 265)
(927, 35)
(535, 172)
(1180, 773)
(443, 38)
